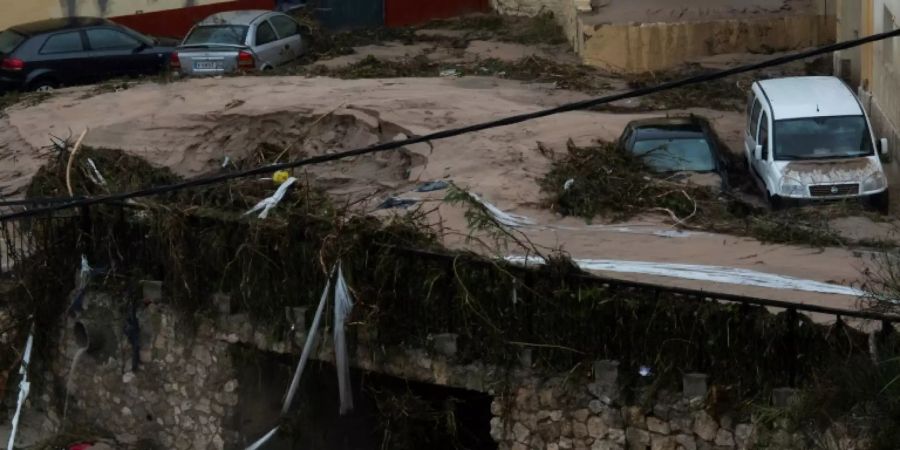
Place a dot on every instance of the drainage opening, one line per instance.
(80, 334)
(390, 413)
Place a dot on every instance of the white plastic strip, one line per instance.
(518, 221)
(343, 306)
(301, 365)
(717, 274)
(97, 177)
(84, 273)
(24, 388)
(262, 441)
(505, 218)
(267, 204)
(307, 349)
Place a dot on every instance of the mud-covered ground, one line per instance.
(420, 81)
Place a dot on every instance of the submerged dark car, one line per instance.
(62, 52)
(676, 145)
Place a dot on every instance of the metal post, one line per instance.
(792, 348)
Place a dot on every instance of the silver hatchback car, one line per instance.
(237, 41)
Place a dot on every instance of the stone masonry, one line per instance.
(185, 393)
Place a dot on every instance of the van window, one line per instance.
(763, 137)
(750, 103)
(823, 137)
(754, 117)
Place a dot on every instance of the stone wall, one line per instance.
(181, 396)
(562, 413)
(187, 392)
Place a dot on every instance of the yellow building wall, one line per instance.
(884, 73)
(649, 47)
(13, 12)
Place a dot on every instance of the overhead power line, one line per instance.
(511, 120)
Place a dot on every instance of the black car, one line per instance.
(675, 144)
(59, 52)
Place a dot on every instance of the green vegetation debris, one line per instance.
(614, 184)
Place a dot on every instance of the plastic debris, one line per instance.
(569, 183)
(432, 186)
(84, 273)
(262, 441)
(281, 176)
(307, 349)
(450, 73)
(505, 218)
(24, 388)
(226, 161)
(267, 204)
(644, 371)
(95, 174)
(343, 306)
(397, 202)
(717, 274)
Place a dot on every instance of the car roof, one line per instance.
(243, 17)
(800, 97)
(668, 128)
(51, 25)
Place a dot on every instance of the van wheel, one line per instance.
(881, 202)
(776, 203)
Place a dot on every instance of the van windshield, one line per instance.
(822, 138)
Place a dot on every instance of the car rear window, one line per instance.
(9, 40)
(676, 155)
(217, 34)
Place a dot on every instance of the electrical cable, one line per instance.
(511, 120)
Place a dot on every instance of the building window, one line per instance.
(890, 46)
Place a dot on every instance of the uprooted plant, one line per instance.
(606, 181)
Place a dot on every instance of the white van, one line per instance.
(808, 138)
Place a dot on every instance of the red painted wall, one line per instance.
(399, 13)
(177, 22)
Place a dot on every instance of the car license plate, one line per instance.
(207, 65)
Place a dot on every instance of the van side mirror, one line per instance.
(757, 152)
(884, 148)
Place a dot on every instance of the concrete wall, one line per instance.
(848, 63)
(885, 82)
(636, 48)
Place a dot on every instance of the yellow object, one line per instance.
(281, 176)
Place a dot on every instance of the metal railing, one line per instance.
(24, 238)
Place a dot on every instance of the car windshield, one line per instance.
(217, 34)
(822, 137)
(9, 40)
(676, 155)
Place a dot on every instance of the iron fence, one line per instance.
(34, 237)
